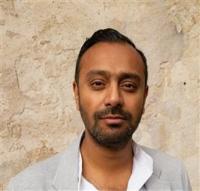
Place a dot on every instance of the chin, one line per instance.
(115, 137)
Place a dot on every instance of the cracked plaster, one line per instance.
(38, 47)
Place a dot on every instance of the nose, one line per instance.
(113, 96)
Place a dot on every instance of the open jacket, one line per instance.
(60, 173)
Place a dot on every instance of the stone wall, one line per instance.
(39, 43)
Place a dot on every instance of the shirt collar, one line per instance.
(142, 168)
(141, 171)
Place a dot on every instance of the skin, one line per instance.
(111, 76)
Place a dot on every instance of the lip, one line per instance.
(113, 119)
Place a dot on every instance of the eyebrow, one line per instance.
(98, 72)
(127, 75)
(122, 76)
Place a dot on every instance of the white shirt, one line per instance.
(141, 171)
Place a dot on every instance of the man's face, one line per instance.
(111, 92)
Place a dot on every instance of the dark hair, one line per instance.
(107, 35)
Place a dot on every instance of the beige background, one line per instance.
(39, 42)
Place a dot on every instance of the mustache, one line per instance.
(116, 110)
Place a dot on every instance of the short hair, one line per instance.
(107, 35)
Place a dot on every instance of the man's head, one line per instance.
(107, 35)
(110, 87)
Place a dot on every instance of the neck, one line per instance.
(106, 159)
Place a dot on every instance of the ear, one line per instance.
(146, 91)
(76, 94)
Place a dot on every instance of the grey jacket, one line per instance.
(60, 173)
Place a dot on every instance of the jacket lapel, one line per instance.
(156, 183)
(66, 176)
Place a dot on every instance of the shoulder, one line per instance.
(162, 160)
(41, 175)
(36, 175)
(168, 169)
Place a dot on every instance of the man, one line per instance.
(110, 89)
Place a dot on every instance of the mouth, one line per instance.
(113, 119)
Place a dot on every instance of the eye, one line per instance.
(97, 84)
(129, 86)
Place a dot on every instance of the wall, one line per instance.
(39, 44)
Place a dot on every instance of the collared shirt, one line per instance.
(141, 171)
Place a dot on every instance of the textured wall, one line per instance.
(39, 43)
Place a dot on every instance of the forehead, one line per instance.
(112, 57)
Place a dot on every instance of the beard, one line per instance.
(116, 136)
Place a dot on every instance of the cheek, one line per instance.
(135, 104)
(87, 107)
(91, 100)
